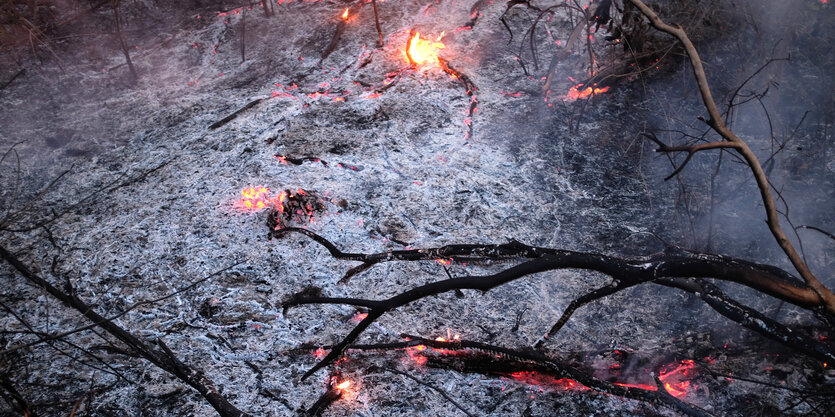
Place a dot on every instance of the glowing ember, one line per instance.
(574, 93)
(676, 378)
(344, 385)
(422, 51)
(358, 317)
(345, 14)
(253, 199)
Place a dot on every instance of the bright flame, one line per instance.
(422, 51)
(345, 14)
(344, 385)
(253, 199)
(574, 93)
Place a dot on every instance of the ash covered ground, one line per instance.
(151, 202)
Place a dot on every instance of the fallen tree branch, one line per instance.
(564, 370)
(715, 121)
(164, 359)
(625, 272)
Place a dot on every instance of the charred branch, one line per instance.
(377, 24)
(164, 359)
(432, 387)
(235, 114)
(750, 318)
(11, 80)
(512, 359)
(625, 273)
(337, 35)
(13, 397)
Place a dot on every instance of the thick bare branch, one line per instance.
(716, 122)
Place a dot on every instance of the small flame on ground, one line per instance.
(575, 93)
(343, 385)
(345, 14)
(253, 199)
(358, 317)
(422, 51)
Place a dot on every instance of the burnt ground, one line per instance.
(148, 205)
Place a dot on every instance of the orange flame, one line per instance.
(574, 93)
(253, 199)
(422, 51)
(345, 14)
(343, 385)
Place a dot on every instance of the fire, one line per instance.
(356, 318)
(676, 378)
(422, 51)
(253, 199)
(345, 14)
(343, 385)
(574, 93)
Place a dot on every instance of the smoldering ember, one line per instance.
(431, 207)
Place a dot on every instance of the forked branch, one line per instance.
(715, 121)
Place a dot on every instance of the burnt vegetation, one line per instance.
(622, 43)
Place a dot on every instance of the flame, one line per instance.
(343, 385)
(422, 51)
(253, 199)
(574, 93)
(356, 318)
(345, 14)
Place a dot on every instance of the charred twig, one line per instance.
(25, 323)
(12, 396)
(511, 250)
(817, 229)
(432, 387)
(470, 88)
(715, 121)
(106, 188)
(690, 150)
(46, 337)
(475, 11)
(11, 80)
(164, 359)
(377, 24)
(243, 34)
(510, 4)
(237, 113)
(117, 11)
(331, 395)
